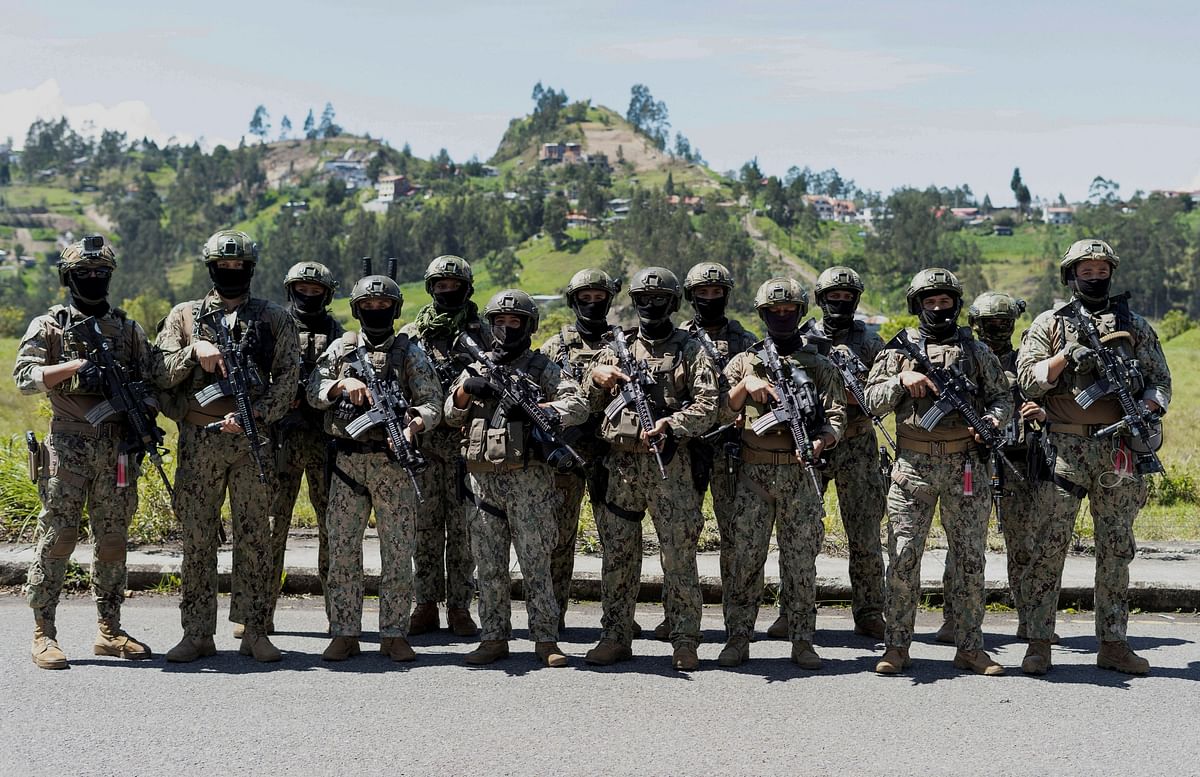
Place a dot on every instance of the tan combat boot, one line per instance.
(424, 619)
(1117, 656)
(549, 654)
(489, 651)
(779, 629)
(46, 652)
(685, 659)
(978, 662)
(945, 634)
(258, 645)
(111, 640)
(460, 623)
(804, 656)
(607, 652)
(895, 660)
(662, 632)
(190, 648)
(341, 649)
(735, 653)
(1037, 657)
(870, 626)
(397, 649)
(1023, 634)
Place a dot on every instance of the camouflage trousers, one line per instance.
(723, 488)
(443, 562)
(381, 485)
(919, 482)
(854, 467)
(517, 509)
(82, 470)
(635, 485)
(571, 487)
(302, 453)
(1081, 463)
(209, 464)
(780, 497)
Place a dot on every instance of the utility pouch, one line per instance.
(35, 456)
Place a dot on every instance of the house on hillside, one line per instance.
(567, 153)
(692, 202)
(393, 187)
(1059, 215)
(351, 169)
(831, 208)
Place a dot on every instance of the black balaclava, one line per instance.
(938, 324)
(89, 295)
(997, 333)
(512, 341)
(783, 329)
(591, 318)
(654, 315)
(451, 301)
(309, 308)
(711, 312)
(377, 324)
(231, 283)
(838, 314)
(1093, 293)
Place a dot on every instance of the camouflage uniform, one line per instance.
(79, 463)
(513, 499)
(366, 477)
(776, 491)
(687, 392)
(211, 462)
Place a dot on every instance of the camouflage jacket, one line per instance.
(859, 342)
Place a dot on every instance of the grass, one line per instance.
(56, 198)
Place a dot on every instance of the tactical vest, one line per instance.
(313, 343)
(961, 351)
(71, 399)
(574, 355)
(506, 445)
(767, 448)
(670, 391)
(1115, 325)
(447, 360)
(388, 365)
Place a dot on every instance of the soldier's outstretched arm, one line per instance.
(883, 390)
(320, 383)
(566, 397)
(833, 397)
(1036, 350)
(425, 390)
(176, 350)
(699, 416)
(993, 385)
(29, 370)
(1153, 362)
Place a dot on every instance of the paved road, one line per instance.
(228, 714)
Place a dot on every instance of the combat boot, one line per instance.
(685, 659)
(978, 662)
(735, 653)
(1117, 656)
(190, 648)
(258, 645)
(1037, 657)
(779, 629)
(397, 649)
(1023, 634)
(239, 630)
(945, 634)
(489, 651)
(895, 660)
(662, 632)
(459, 620)
(870, 626)
(46, 652)
(549, 654)
(607, 652)
(341, 648)
(637, 629)
(111, 640)
(804, 656)
(424, 619)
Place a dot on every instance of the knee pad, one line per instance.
(111, 547)
(64, 544)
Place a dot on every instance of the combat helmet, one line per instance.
(311, 272)
(230, 244)
(514, 302)
(592, 278)
(372, 286)
(995, 304)
(449, 266)
(1081, 251)
(706, 274)
(930, 280)
(89, 252)
(781, 291)
(656, 279)
(837, 278)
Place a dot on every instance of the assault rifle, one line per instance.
(850, 366)
(239, 376)
(797, 406)
(633, 395)
(389, 409)
(517, 390)
(1116, 376)
(122, 395)
(954, 390)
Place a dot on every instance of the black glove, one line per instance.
(1082, 358)
(89, 377)
(479, 387)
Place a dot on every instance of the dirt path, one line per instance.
(805, 273)
(102, 221)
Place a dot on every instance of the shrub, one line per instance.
(1174, 324)
(1174, 487)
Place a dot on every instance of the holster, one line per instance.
(702, 454)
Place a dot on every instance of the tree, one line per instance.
(987, 204)
(669, 186)
(310, 126)
(683, 147)
(1020, 191)
(327, 129)
(647, 115)
(260, 123)
(504, 266)
(556, 219)
(1103, 191)
(751, 177)
(285, 128)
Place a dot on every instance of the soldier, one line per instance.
(214, 451)
(937, 465)
(683, 400)
(511, 485)
(443, 560)
(590, 294)
(993, 316)
(300, 442)
(1055, 366)
(80, 463)
(776, 488)
(854, 464)
(366, 473)
(707, 287)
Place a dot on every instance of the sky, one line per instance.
(891, 94)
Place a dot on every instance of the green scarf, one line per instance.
(432, 324)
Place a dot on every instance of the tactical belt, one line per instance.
(935, 447)
(110, 431)
(1077, 491)
(483, 506)
(1079, 430)
(760, 456)
(861, 426)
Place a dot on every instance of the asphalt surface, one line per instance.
(228, 714)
